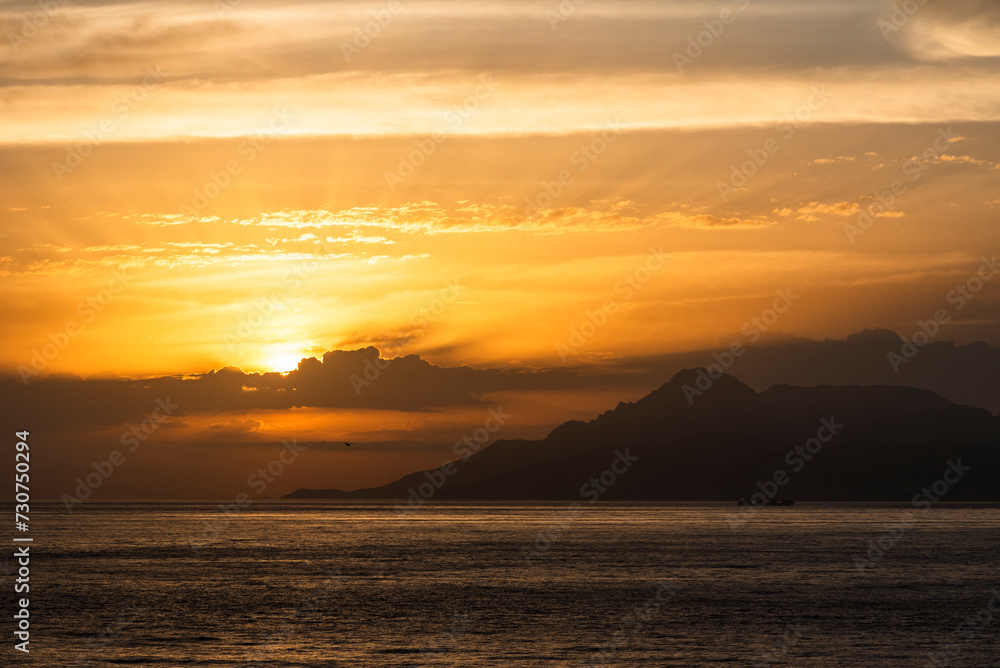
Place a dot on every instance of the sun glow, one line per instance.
(283, 360)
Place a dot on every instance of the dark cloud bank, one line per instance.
(964, 374)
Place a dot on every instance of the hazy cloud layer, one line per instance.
(944, 30)
(356, 379)
(225, 72)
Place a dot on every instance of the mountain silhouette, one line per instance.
(966, 374)
(852, 443)
(343, 379)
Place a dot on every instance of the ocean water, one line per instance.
(363, 584)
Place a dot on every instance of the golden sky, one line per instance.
(186, 186)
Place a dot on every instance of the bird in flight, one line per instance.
(348, 444)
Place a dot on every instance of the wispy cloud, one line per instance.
(224, 74)
(941, 31)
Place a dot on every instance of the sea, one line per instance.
(317, 583)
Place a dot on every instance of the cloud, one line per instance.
(412, 384)
(947, 157)
(944, 30)
(710, 222)
(834, 160)
(341, 379)
(430, 218)
(234, 427)
(346, 235)
(224, 75)
(193, 40)
(808, 213)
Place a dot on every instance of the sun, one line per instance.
(283, 361)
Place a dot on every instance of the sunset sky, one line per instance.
(187, 186)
